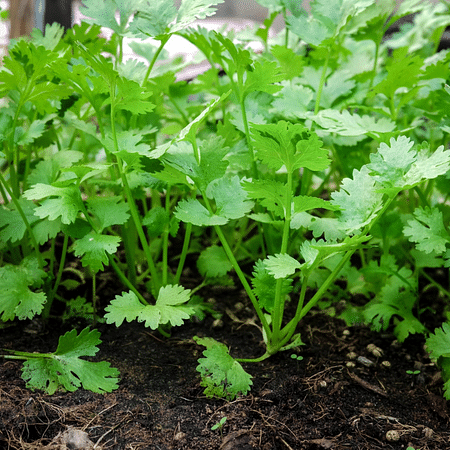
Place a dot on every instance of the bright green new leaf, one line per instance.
(289, 144)
(94, 249)
(263, 77)
(65, 370)
(281, 265)
(427, 230)
(36, 129)
(66, 205)
(403, 71)
(272, 195)
(16, 297)
(131, 96)
(170, 307)
(291, 62)
(346, 124)
(213, 262)
(222, 375)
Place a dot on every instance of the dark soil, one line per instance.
(316, 403)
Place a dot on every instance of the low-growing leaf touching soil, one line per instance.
(315, 403)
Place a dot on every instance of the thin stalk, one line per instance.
(130, 200)
(165, 249)
(51, 295)
(243, 279)
(277, 315)
(25, 221)
(184, 251)
(155, 57)
(94, 296)
(125, 280)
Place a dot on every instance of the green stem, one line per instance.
(323, 78)
(51, 295)
(278, 310)
(155, 57)
(129, 197)
(25, 221)
(243, 280)
(184, 251)
(125, 280)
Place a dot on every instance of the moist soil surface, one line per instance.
(330, 399)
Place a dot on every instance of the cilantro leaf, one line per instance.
(359, 200)
(264, 285)
(262, 78)
(346, 124)
(213, 262)
(222, 376)
(438, 344)
(281, 265)
(231, 199)
(427, 230)
(192, 211)
(94, 249)
(16, 297)
(170, 307)
(103, 13)
(289, 144)
(65, 370)
(67, 205)
(401, 166)
(108, 211)
(159, 17)
(293, 102)
(12, 226)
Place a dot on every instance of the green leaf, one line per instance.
(346, 124)
(94, 249)
(231, 199)
(401, 166)
(403, 71)
(222, 375)
(264, 286)
(12, 226)
(131, 96)
(192, 211)
(159, 17)
(293, 102)
(281, 265)
(65, 370)
(213, 262)
(427, 230)
(103, 13)
(262, 78)
(170, 308)
(67, 205)
(438, 344)
(359, 200)
(289, 144)
(291, 63)
(272, 194)
(108, 211)
(397, 299)
(16, 297)
(35, 130)
(156, 221)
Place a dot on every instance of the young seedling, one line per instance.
(219, 425)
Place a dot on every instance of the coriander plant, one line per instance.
(321, 158)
